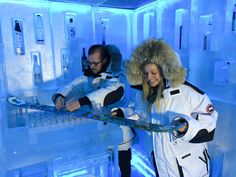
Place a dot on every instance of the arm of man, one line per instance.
(71, 91)
(110, 94)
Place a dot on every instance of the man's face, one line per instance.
(96, 62)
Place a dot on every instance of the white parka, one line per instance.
(98, 90)
(185, 156)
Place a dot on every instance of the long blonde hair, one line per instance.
(147, 90)
(160, 53)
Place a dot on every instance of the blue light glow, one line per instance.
(115, 11)
(56, 6)
(141, 163)
(146, 7)
(32, 3)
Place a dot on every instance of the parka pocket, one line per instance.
(193, 164)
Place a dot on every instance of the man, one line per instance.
(96, 89)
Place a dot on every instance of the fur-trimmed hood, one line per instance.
(156, 52)
(116, 58)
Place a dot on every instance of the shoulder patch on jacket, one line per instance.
(138, 87)
(194, 87)
(174, 92)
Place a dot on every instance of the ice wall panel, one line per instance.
(158, 21)
(19, 78)
(202, 73)
(19, 67)
(84, 37)
(218, 48)
(225, 141)
(117, 24)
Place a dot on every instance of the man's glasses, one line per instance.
(94, 63)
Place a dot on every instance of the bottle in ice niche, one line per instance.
(65, 64)
(36, 71)
(71, 29)
(65, 68)
(233, 18)
(206, 41)
(39, 31)
(84, 60)
(20, 118)
(18, 38)
(103, 35)
(180, 36)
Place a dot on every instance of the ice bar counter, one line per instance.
(37, 143)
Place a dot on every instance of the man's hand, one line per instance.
(72, 105)
(60, 102)
(113, 113)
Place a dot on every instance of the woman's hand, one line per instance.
(117, 112)
(182, 126)
(113, 113)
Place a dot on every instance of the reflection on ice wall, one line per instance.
(203, 33)
(213, 68)
(67, 29)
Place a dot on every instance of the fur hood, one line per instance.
(116, 58)
(157, 52)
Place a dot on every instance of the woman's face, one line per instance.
(152, 75)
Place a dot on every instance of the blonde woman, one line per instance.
(169, 99)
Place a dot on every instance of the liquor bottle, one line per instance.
(71, 29)
(104, 25)
(39, 31)
(65, 67)
(207, 46)
(103, 35)
(180, 36)
(20, 117)
(18, 38)
(233, 18)
(36, 70)
(65, 64)
(205, 42)
(84, 60)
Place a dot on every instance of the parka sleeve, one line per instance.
(73, 90)
(109, 93)
(203, 119)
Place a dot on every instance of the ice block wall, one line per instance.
(43, 41)
(212, 68)
(202, 33)
(164, 19)
(19, 65)
(40, 50)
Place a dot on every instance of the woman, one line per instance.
(171, 100)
